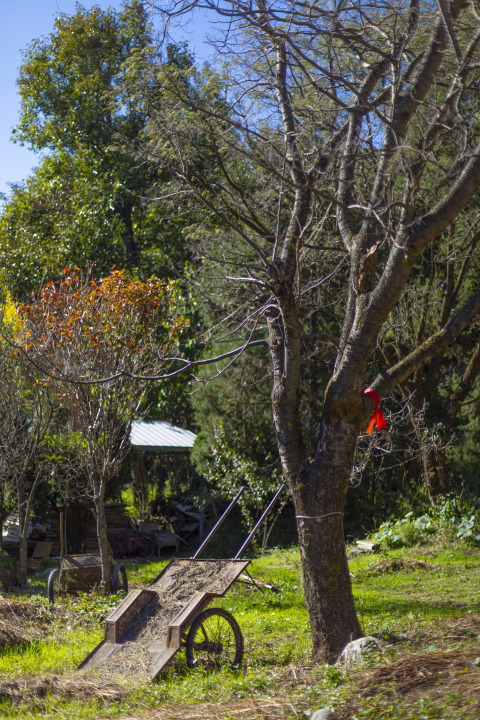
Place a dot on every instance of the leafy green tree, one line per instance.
(64, 215)
(66, 84)
(85, 203)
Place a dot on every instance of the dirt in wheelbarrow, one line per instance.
(132, 661)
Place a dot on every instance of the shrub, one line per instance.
(449, 521)
(8, 571)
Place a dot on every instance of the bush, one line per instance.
(449, 521)
(405, 532)
(8, 571)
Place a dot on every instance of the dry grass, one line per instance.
(468, 626)
(253, 709)
(410, 674)
(10, 637)
(132, 660)
(28, 689)
(405, 563)
(21, 622)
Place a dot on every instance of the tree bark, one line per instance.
(318, 487)
(103, 544)
(435, 469)
(23, 530)
(319, 497)
(130, 246)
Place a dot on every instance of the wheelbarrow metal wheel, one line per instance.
(214, 640)
(52, 585)
(119, 579)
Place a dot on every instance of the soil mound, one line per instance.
(21, 622)
(402, 564)
(464, 626)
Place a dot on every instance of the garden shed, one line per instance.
(163, 457)
(159, 436)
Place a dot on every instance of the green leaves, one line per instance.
(66, 79)
(229, 470)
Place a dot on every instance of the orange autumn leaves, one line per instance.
(112, 321)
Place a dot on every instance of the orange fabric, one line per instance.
(377, 417)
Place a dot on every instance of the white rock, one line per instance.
(322, 714)
(354, 651)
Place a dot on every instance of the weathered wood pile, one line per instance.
(178, 515)
(117, 523)
(11, 535)
(81, 531)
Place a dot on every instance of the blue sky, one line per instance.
(22, 21)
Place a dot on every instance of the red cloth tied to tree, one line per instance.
(377, 416)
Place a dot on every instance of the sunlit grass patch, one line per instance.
(60, 654)
(420, 600)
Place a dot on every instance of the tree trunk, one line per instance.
(23, 532)
(103, 544)
(319, 498)
(2, 506)
(130, 246)
(318, 487)
(435, 469)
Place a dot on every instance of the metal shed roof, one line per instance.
(160, 436)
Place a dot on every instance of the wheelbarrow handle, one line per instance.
(260, 521)
(219, 522)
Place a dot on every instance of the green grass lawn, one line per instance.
(422, 603)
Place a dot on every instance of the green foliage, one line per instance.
(84, 204)
(7, 571)
(405, 532)
(66, 78)
(418, 604)
(229, 470)
(450, 520)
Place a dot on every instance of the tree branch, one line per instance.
(387, 380)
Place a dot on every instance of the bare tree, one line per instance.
(27, 416)
(337, 141)
(438, 390)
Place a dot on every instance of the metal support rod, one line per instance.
(218, 523)
(260, 521)
(62, 539)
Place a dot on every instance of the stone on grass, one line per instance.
(322, 714)
(355, 552)
(353, 653)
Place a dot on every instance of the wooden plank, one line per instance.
(102, 651)
(118, 621)
(80, 561)
(42, 549)
(161, 662)
(185, 618)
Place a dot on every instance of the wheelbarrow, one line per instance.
(156, 622)
(81, 573)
